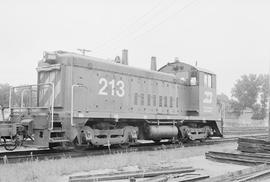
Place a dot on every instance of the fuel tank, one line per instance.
(159, 132)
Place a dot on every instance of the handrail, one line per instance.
(2, 113)
(22, 94)
(9, 101)
(30, 86)
(72, 101)
(21, 86)
(52, 105)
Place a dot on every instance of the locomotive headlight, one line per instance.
(49, 57)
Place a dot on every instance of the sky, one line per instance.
(228, 37)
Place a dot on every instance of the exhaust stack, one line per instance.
(153, 63)
(125, 56)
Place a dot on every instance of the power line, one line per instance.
(129, 25)
(163, 21)
(179, 11)
(134, 30)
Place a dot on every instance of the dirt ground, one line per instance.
(181, 157)
(62, 169)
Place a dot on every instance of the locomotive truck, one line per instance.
(87, 101)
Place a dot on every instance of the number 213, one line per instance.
(116, 89)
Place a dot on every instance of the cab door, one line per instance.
(207, 94)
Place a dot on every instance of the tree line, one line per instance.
(249, 92)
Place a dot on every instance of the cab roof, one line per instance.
(178, 66)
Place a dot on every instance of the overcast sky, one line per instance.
(228, 37)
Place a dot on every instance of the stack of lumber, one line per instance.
(160, 175)
(256, 173)
(253, 145)
(242, 158)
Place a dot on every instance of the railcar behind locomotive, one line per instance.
(89, 101)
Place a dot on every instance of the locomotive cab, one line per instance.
(198, 100)
(199, 88)
(202, 98)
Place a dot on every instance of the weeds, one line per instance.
(54, 170)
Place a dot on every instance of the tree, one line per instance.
(222, 101)
(222, 98)
(246, 90)
(4, 94)
(260, 110)
(236, 107)
(251, 91)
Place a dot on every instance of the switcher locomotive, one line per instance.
(87, 101)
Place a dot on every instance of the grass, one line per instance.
(54, 170)
(51, 170)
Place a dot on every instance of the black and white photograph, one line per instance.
(134, 90)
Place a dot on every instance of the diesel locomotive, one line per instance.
(87, 101)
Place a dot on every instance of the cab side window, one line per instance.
(193, 81)
(193, 78)
(207, 80)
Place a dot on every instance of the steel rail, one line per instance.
(21, 156)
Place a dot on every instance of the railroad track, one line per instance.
(30, 155)
(244, 130)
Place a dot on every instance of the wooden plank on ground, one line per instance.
(239, 158)
(193, 178)
(254, 176)
(161, 178)
(237, 175)
(129, 175)
(249, 144)
(126, 172)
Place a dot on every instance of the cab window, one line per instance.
(207, 80)
(193, 81)
(193, 78)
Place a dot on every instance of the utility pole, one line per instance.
(223, 112)
(83, 51)
(269, 105)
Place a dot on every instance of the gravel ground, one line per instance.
(189, 156)
(60, 170)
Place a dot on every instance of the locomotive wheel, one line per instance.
(183, 137)
(12, 144)
(184, 140)
(124, 145)
(2, 141)
(180, 143)
(208, 131)
(202, 140)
